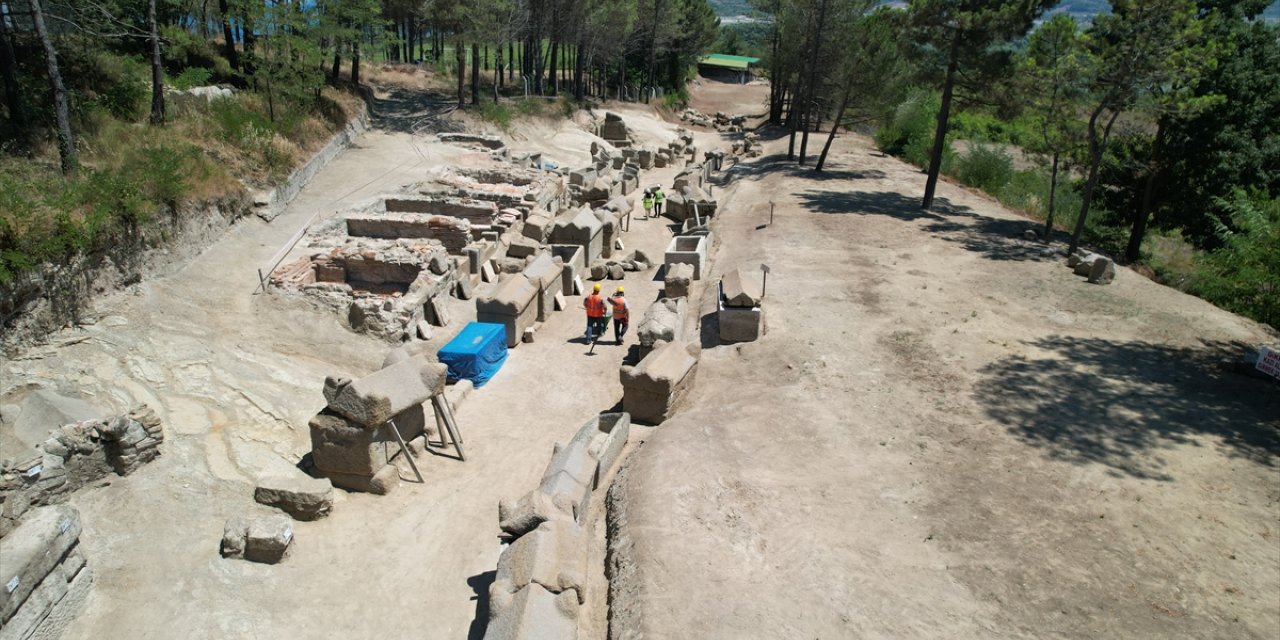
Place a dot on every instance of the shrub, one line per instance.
(191, 77)
(1244, 275)
(909, 132)
(497, 113)
(986, 167)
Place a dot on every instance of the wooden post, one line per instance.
(404, 448)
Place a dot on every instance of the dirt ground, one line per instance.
(942, 434)
(945, 433)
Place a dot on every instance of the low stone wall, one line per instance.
(541, 578)
(76, 455)
(46, 576)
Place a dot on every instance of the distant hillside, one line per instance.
(1079, 8)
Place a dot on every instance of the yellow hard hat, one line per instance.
(620, 290)
(596, 287)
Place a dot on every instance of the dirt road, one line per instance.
(946, 434)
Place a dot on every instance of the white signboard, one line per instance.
(1269, 362)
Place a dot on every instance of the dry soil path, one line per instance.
(946, 434)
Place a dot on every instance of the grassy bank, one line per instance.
(132, 173)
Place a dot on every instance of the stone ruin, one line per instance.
(720, 121)
(76, 455)
(740, 316)
(541, 578)
(350, 438)
(655, 388)
(46, 576)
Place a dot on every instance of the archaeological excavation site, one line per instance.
(630, 373)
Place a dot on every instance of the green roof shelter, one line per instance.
(723, 66)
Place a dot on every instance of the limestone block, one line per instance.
(573, 262)
(339, 445)
(42, 600)
(604, 437)
(301, 496)
(57, 618)
(233, 536)
(532, 613)
(1103, 271)
(512, 304)
(583, 229)
(571, 496)
(676, 280)
(554, 555)
(32, 551)
(616, 272)
(532, 509)
(691, 250)
(380, 483)
(375, 398)
(546, 274)
(267, 539)
(465, 288)
(663, 321)
(740, 324)
(537, 227)
(654, 389)
(575, 460)
(523, 247)
(741, 289)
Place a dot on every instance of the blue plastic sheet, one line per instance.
(477, 353)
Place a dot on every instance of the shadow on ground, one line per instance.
(414, 111)
(876, 203)
(778, 164)
(480, 584)
(1119, 404)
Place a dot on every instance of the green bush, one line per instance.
(986, 167)
(1244, 275)
(120, 86)
(497, 113)
(191, 77)
(909, 132)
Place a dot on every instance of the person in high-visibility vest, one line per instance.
(595, 314)
(621, 315)
(648, 202)
(658, 198)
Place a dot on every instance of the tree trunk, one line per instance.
(355, 63)
(62, 111)
(157, 68)
(475, 73)
(460, 55)
(555, 61)
(228, 35)
(940, 136)
(653, 50)
(579, 88)
(835, 124)
(1053, 199)
(1133, 251)
(497, 71)
(337, 61)
(8, 68)
(1096, 148)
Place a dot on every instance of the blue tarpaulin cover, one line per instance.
(477, 353)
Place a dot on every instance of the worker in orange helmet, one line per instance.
(595, 306)
(621, 315)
